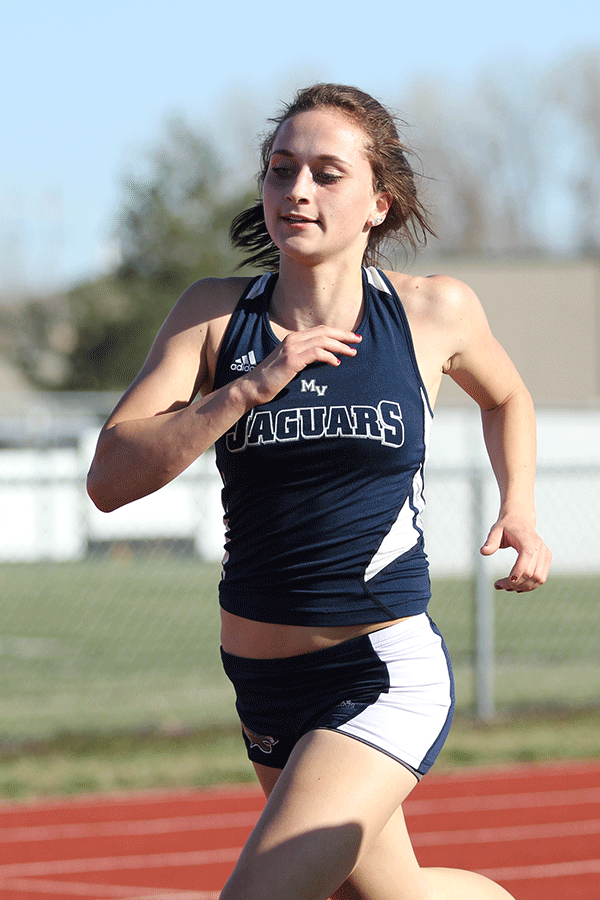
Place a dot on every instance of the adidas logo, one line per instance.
(245, 363)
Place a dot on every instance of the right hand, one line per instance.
(297, 351)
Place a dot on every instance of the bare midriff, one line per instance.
(267, 640)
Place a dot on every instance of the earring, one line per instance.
(376, 222)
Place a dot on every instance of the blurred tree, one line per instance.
(172, 229)
(573, 91)
(480, 157)
(510, 168)
(513, 166)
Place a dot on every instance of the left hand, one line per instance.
(533, 559)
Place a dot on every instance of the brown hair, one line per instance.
(407, 219)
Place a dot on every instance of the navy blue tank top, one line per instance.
(323, 485)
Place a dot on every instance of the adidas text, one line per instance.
(245, 363)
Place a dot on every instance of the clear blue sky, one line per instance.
(88, 85)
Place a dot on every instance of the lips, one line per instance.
(295, 219)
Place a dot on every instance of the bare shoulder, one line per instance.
(442, 308)
(199, 319)
(446, 321)
(450, 328)
(440, 297)
(200, 316)
(182, 359)
(209, 300)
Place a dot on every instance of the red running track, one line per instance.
(535, 829)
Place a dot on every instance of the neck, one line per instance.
(307, 296)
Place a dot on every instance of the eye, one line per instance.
(282, 171)
(326, 178)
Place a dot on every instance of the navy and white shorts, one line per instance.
(391, 689)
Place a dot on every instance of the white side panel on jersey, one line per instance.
(260, 286)
(408, 527)
(374, 278)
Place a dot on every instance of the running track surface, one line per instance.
(535, 829)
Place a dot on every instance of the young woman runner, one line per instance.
(317, 382)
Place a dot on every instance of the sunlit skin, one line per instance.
(320, 203)
(318, 193)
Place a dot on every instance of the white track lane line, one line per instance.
(136, 798)
(119, 863)
(531, 831)
(212, 822)
(505, 833)
(550, 870)
(509, 833)
(184, 895)
(524, 800)
(565, 768)
(117, 891)
(507, 873)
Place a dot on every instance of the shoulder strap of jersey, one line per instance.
(381, 282)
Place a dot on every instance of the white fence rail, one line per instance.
(47, 514)
(123, 639)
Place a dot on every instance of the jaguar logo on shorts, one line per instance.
(262, 741)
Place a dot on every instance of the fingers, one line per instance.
(493, 541)
(320, 344)
(529, 571)
(533, 560)
(297, 351)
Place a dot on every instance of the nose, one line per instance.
(298, 189)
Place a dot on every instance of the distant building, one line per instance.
(546, 313)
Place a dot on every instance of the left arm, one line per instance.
(483, 369)
(510, 438)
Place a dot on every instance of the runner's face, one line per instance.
(318, 193)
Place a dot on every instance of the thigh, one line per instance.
(388, 869)
(327, 807)
(267, 777)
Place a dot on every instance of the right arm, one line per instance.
(157, 429)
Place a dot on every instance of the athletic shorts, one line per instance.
(391, 689)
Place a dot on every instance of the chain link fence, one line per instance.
(111, 622)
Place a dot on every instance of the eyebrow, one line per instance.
(323, 157)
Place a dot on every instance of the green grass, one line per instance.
(110, 676)
(128, 642)
(108, 643)
(83, 763)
